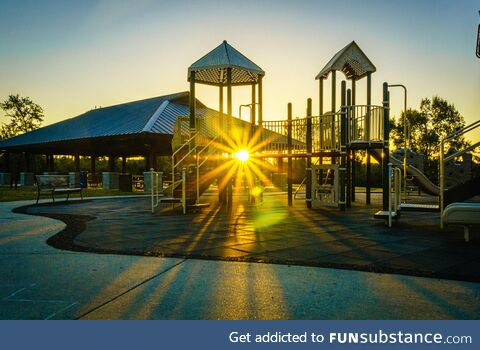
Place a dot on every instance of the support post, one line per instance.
(352, 125)
(77, 163)
(369, 103)
(221, 191)
(229, 126)
(111, 163)
(343, 144)
(124, 164)
(334, 107)
(7, 160)
(253, 110)
(308, 194)
(193, 106)
(28, 165)
(320, 113)
(368, 180)
(92, 164)
(260, 101)
(348, 111)
(52, 163)
(386, 149)
(290, 160)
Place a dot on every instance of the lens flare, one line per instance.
(242, 155)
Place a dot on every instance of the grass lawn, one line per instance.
(26, 193)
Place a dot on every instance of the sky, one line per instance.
(70, 56)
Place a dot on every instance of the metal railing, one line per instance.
(395, 197)
(156, 187)
(365, 123)
(452, 156)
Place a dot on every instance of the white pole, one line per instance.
(184, 191)
(151, 188)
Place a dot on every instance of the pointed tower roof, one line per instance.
(211, 68)
(351, 60)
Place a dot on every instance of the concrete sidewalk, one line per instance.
(40, 282)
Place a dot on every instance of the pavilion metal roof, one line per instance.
(212, 68)
(154, 115)
(351, 60)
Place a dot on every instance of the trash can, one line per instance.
(125, 182)
(83, 179)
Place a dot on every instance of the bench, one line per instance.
(53, 184)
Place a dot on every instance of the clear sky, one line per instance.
(70, 56)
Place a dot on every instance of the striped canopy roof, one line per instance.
(211, 69)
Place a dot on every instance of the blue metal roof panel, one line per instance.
(122, 119)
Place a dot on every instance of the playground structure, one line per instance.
(204, 148)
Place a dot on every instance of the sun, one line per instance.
(242, 155)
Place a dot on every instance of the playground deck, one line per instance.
(270, 232)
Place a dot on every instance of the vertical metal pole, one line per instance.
(367, 134)
(7, 162)
(368, 178)
(442, 183)
(320, 113)
(152, 189)
(229, 127)
(349, 151)
(386, 149)
(389, 171)
(111, 163)
(352, 125)
(308, 194)
(369, 103)
(334, 107)
(343, 144)
(290, 160)
(260, 101)
(193, 106)
(221, 192)
(253, 110)
(184, 190)
(198, 180)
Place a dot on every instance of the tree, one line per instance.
(25, 115)
(436, 119)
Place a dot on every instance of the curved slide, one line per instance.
(419, 178)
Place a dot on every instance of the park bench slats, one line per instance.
(53, 184)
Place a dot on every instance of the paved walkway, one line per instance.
(39, 282)
(274, 233)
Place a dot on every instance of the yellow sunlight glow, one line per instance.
(242, 155)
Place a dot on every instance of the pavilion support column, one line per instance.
(153, 160)
(92, 164)
(353, 124)
(111, 163)
(52, 163)
(7, 160)
(28, 162)
(124, 165)
(260, 101)
(77, 163)
(147, 162)
(320, 113)
(229, 117)
(334, 108)
(253, 110)
(193, 106)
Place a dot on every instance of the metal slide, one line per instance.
(419, 177)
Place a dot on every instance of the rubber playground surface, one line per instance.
(269, 232)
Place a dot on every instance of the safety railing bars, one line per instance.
(156, 187)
